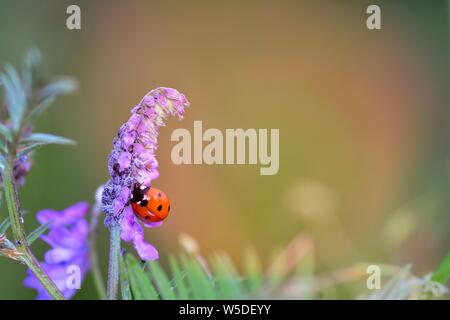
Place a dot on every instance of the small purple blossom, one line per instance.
(132, 162)
(22, 166)
(68, 238)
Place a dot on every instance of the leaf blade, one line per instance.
(178, 279)
(5, 132)
(140, 283)
(15, 95)
(33, 236)
(61, 86)
(226, 278)
(442, 273)
(201, 285)
(40, 108)
(124, 279)
(161, 280)
(4, 226)
(47, 138)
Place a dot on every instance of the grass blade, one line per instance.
(124, 280)
(199, 282)
(253, 271)
(442, 273)
(227, 280)
(141, 286)
(178, 279)
(161, 280)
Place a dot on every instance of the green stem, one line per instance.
(93, 253)
(20, 238)
(113, 269)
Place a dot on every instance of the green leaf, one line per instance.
(64, 85)
(199, 282)
(253, 270)
(161, 280)
(46, 138)
(140, 283)
(15, 95)
(4, 226)
(40, 108)
(5, 132)
(30, 148)
(124, 280)
(226, 278)
(3, 162)
(3, 147)
(178, 279)
(37, 233)
(442, 273)
(32, 60)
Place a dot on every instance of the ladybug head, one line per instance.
(139, 193)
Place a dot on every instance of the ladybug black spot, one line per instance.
(159, 194)
(168, 209)
(159, 208)
(144, 203)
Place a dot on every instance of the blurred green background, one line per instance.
(364, 121)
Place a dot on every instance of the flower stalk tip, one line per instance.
(132, 164)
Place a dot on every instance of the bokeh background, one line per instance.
(364, 121)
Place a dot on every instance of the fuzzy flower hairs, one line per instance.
(133, 166)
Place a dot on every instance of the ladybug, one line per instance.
(150, 204)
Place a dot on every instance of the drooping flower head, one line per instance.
(69, 253)
(132, 163)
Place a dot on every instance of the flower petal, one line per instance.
(153, 224)
(144, 249)
(127, 225)
(47, 215)
(59, 255)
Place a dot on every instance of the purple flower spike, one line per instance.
(132, 162)
(68, 257)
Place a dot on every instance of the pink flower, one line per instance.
(132, 162)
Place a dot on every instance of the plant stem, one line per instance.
(114, 255)
(124, 281)
(95, 266)
(20, 238)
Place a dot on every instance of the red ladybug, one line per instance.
(150, 204)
